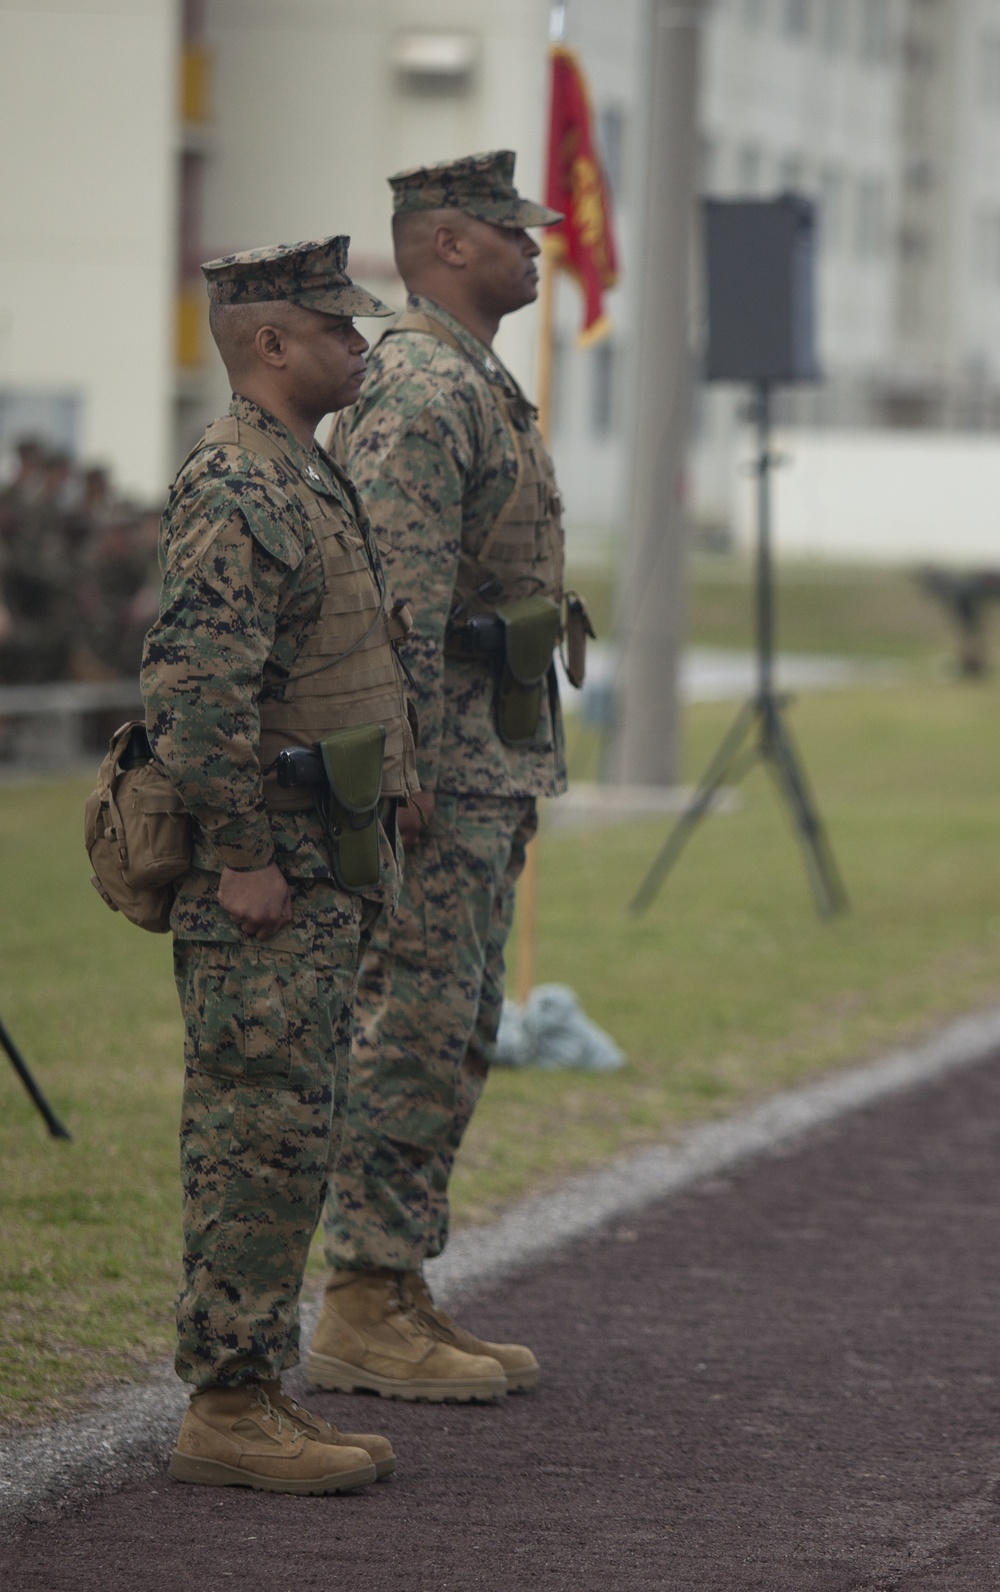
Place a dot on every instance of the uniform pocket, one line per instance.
(245, 1008)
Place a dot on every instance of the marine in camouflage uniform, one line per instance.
(38, 579)
(444, 448)
(275, 628)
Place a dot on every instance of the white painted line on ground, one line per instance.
(533, 1228)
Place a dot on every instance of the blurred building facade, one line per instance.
(887, 113)
(313, 103)
(87, 127)
(150, 135)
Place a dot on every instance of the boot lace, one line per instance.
(405, 1306)
(275, 1415)
(430, 1316)
(310, 1415)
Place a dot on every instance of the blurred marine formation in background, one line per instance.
(78, 573)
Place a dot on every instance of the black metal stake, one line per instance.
(761, 717)
(20, 1066)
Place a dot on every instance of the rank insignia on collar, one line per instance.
(312, 474)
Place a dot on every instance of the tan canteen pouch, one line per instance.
(531, 630)
(137, 832)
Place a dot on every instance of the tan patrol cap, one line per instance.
(311, 274)
(481, 185)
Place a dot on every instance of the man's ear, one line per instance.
(450, 246)
(271, 345)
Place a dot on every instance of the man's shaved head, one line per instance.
(235, 327)
(413, 238)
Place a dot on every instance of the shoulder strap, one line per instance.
(419, 321)
(229, 430)
(430, 326)
(233, 430)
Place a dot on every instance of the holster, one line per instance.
(348, 803)
(531, 628)
(576, 631)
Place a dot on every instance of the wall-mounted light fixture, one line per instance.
(433, 60)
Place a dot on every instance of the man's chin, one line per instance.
(526, 294)
(347, 395)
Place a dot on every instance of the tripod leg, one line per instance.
(778, 749)
(695, 810)
(20, 1066)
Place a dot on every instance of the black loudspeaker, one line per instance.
(761, 279)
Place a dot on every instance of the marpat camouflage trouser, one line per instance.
(262, 1111)
(426, 1017)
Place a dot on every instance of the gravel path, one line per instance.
(782, 1378)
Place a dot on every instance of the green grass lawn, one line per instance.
(729, 987)
(831, 608)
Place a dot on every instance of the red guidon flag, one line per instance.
(583, 243)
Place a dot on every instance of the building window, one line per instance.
(797, 18)
(602, 412)
(988, 246)
(748, 169)
(611, 142)
(834, 28)
(919, 175)
(914, 246)
(831, 208)
(989, 71)
(875, 31)
(911, 307)
(790, 174)
(870, 218)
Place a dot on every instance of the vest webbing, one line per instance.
(346, 673)
(522, 551)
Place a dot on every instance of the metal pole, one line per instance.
(765, 587)
(650, 604)
(55, 1127)
(527, 888)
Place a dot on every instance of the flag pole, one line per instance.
(527, 893)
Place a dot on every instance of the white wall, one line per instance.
(87, 112)
(310, 120)
(887, 496)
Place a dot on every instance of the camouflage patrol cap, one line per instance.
(481, 185)
(311, 274)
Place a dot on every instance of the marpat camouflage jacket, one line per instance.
(242, 584)
(428, 449)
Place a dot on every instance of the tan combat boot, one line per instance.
(236, 1437)
(519, 1364)
(368, 1339)
(378, 1449)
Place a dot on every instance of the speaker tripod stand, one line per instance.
(759, 733)
(20, 1066)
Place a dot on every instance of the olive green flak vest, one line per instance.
(523, 551)
(347, 673)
